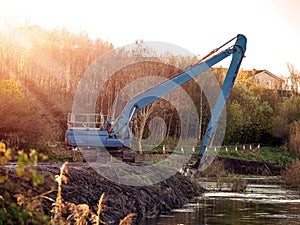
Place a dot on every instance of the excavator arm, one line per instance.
(90, 136)
(142, 100)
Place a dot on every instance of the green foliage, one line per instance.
(11, 97)
(267, 154)
(24, 162)
(11, 213)
(26, 210)
(248, 117)
(19, 121)
(266, 95)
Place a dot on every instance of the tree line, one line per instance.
(40, 72)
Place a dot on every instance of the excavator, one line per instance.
(100, 131)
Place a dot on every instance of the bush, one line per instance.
(216, 170)
(291, 174)
(238, 184)
(294, 141)
(12, 213)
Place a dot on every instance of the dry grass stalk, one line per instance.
(101, 208)
(58, 205)
(128, 219)
(79, 215)
(33, 204)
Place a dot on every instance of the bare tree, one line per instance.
(294, 78)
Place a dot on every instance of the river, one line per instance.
(260, 204)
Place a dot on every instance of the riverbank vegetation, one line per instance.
(291, 174)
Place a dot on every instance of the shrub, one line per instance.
(16, 208)
(216, 170)
(294, 141)
(291, 174)
(238, 184)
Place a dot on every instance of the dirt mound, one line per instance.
(239, 166)
(85, 186)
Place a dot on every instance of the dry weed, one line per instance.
(80, 214)
(58, 205)
(128, 219)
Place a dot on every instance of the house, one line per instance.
(267, 79)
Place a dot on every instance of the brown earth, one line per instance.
(85, 186)
(238, 166)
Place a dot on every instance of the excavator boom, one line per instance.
(140, 101)
(103, 138)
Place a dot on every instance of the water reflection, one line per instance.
(261, 205)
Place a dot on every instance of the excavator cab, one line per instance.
(91, 130)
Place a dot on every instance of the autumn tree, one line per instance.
(286, 122)
(19, 120)
(294, 79)
(47, 65)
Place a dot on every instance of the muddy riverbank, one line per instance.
(238, 166)
(85, 186)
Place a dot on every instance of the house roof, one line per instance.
(259, 72)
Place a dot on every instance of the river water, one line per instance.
(260, 204)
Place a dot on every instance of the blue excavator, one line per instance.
(116, 134)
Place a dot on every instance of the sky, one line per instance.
(272, 27)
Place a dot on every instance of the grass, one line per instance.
(267, 154)
(245, 176)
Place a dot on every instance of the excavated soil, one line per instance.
(238, 166)
(85, 186)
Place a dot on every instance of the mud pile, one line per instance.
(85, 186)
(238, 166)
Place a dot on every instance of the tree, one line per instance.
(19, 121)
(294, 138)
(285, 124)
(249, 118)
(294, 78)
(141, 121)
(47, 65)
